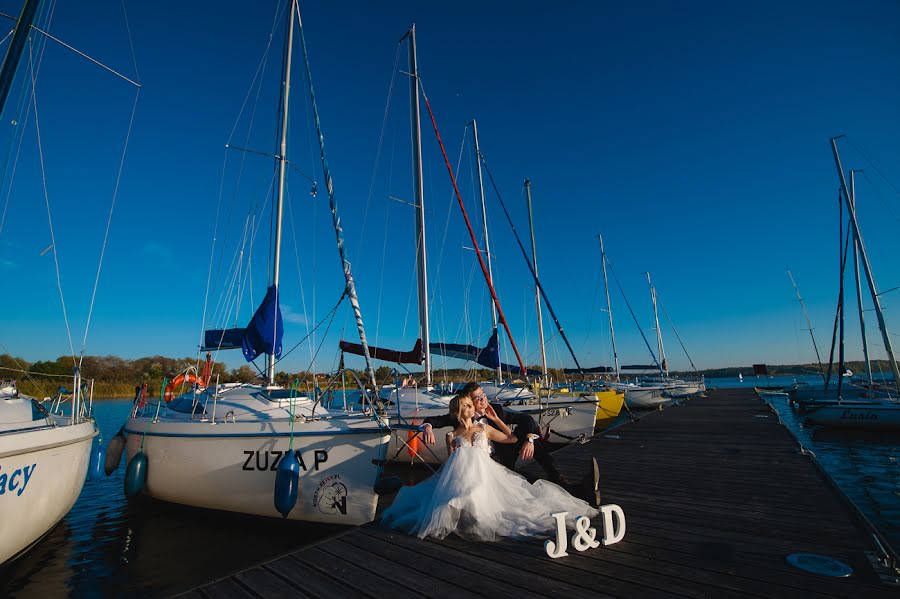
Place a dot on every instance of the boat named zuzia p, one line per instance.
(262, 449)
(44, 456)
(220, 449)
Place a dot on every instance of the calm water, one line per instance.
(108, 546)
(864, 464)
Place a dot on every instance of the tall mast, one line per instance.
(809, 327)
(487, 244)
(612, 333)
(889, 348)
(859, 301)
(663, 367)
(16, 46)
(282, 167)
(537, 291)
(421, 270)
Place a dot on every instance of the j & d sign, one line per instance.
(585, 536)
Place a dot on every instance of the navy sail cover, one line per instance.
(216, 339)
(263, 334)
(487, 356)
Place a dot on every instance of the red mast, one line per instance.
(462, 207)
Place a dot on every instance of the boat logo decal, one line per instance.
(264, 461)
(331, 496)
(16, 481)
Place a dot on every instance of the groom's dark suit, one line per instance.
(506, 453)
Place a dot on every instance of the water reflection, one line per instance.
(864, 464)
(107, 545)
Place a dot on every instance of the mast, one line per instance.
(487, 244)
(859, 301)
(282, 167)
(659, 342)
(809, 327)
(537, 291)
(16, 46)
(421, 269)
(612, 333)
(870, 279)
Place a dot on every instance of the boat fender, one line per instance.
(412, 444)
(136, 475)
(287, 483)
(96, 463)
(114, 450)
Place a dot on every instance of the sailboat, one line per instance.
(409, 405)
(225, 446)
(44, 453)
(659, 391)
(868, 406)
(565, 417)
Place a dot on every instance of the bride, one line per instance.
(477, 498)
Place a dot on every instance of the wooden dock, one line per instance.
(716, 494)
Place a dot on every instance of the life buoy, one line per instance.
(189, 378)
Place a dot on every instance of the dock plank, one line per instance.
(716, 494)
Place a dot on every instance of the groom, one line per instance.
(529, 445)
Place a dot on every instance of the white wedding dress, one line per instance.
(477, 498)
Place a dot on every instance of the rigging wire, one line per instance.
(677, 336)
(211, 282)
(40, 149)
(380, 146)
(23, 102)
(627, 303)
(112, 208)
(299, 273)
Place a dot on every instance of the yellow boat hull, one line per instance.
(609, 405)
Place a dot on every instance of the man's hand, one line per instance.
(428, 434)
(527, 451)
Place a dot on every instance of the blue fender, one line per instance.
(95, 465)
(287, 483)
(136, 475)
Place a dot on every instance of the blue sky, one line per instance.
(693, 136)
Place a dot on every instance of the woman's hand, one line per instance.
(491, 414)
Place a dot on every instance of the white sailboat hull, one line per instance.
(647, 397)
(42, 472)
(567, 419)
(232, 466)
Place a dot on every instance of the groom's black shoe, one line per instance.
(590, 485)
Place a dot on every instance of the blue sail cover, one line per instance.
(216, 339)
(264, 333)
(487, 356)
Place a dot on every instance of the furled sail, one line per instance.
(263, 334)
(487, 356)
(414, 356)
(594, 370)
